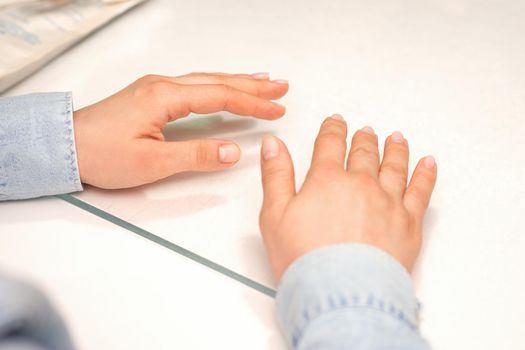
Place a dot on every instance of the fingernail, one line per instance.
(368, 130)
(280, 81)
(229, 153)
(429, 162)
(278, 104)
(270, 147)
(397, 137)
(338, 117)
(261, 75)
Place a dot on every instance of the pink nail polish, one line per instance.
(338, 117)
(429, 162)
(397, 137)
(280, 81)
(368, 130)
(270, 147)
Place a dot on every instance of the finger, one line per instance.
(330, 145)
(203, 99)
(419, 191)
(258, 87)
(277, 179)
(198, 155)
(394, 167)
(259, 75)
(364, 155)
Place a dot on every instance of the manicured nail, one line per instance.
(397, 137)
(368, 130)
(229, 153)
(429, 162)
(280, 81)
(270, 147)
(261, 75)
(338, 117)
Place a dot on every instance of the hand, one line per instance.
(120, 142)
(367, 202)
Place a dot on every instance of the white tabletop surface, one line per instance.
(117, 290)
(450, 74)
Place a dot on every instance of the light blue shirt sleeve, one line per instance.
(28, 320)
(349, 296)
(37, 146)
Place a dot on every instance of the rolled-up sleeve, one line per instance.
(37, 146)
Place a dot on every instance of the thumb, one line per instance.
(277, 179)
(200, 155)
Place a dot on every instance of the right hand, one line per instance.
(365, 202)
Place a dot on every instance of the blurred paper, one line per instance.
(34, 32)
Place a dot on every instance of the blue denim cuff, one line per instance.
(346, 276)
(37, 146)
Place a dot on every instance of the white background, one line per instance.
(449, 74)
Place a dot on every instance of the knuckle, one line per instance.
(396, 147)
(327, 169)
(364, 151)
(272, 174)
(330, 138)
(226, 92)
(204, 157)
(395, 168)
(428, 178)
(419, 196)
(330, 124)
(327, 172)
(223, 88)
(361, 136)
(363, 180)
(149, 78)
(154, 89)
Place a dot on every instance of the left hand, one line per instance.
(120, 142)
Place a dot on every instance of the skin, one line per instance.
(119, 140)
(345, 199)
(360, 200)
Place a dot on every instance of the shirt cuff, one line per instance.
(37, 146)
(344, 276)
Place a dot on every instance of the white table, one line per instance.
(449, 74)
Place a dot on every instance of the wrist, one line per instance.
(81, 145)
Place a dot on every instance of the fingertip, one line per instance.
(277, 111)
(397, 137)
(282, 87)
(421, 186)
(365, 133)
(429, 162)
(277, 177)
(270, 147)
(338, 117)
(369, 130)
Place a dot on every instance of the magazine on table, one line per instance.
(32, 32)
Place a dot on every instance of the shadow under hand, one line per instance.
(199, 127)
(149, 209)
